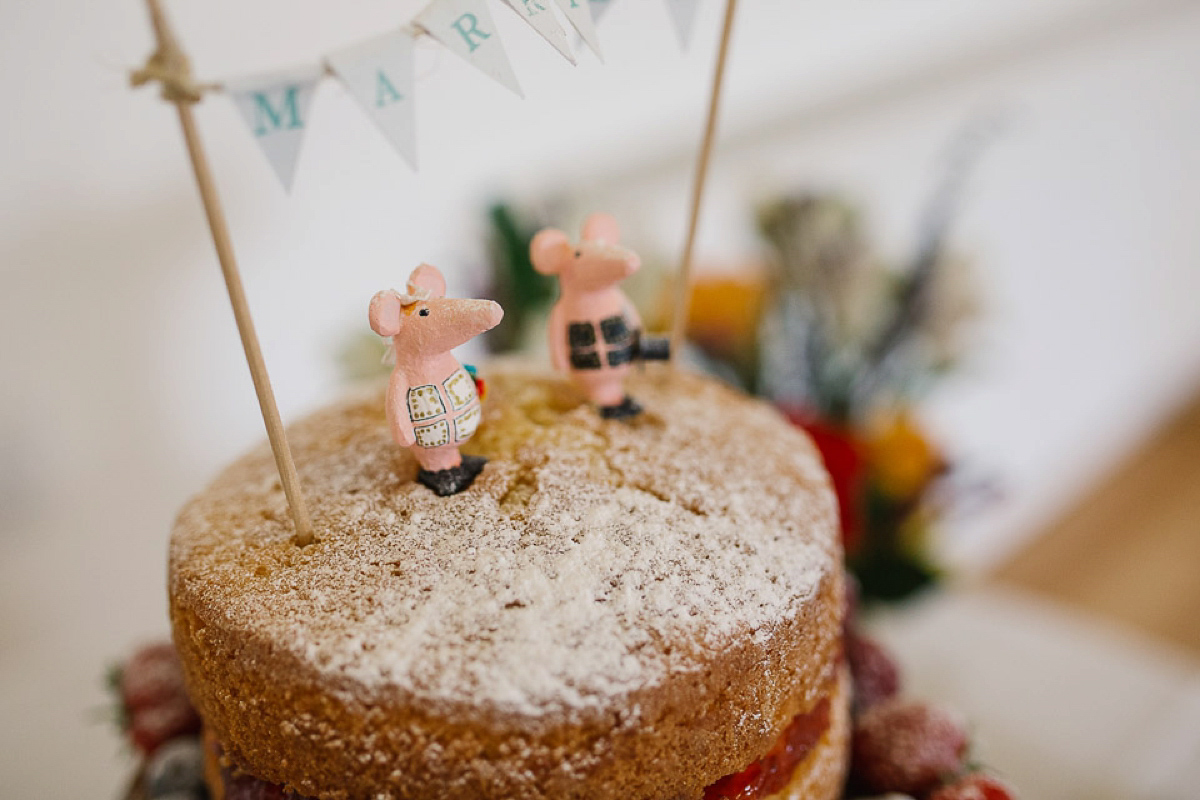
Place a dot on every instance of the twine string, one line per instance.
(168, 65)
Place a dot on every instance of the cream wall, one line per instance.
(124, 386)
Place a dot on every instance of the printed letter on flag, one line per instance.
(580, 15)
(683, 14)
(467, 28)
(275, 108)
(379, 75)
(538, 14)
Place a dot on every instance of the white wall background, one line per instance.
(123, 383)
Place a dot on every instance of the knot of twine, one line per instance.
(170, 68)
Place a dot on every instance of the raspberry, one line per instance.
(152, 677)
(152, 726)
(976, 786)
(876, 676)
(907, 747)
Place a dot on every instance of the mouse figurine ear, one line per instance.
(549, 251)
(385, 313)
(601, 228)
(429, 279)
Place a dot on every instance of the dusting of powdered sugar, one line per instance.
(590, 559)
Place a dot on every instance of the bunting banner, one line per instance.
(466, 28)
(683, 14)
(379, 74)
(540, 16)
(579, 14)
(275, 108)
(599, 8)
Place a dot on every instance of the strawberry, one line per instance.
(876, 675)
(904, 746)
(150, 727)
(976, 786)
(152, 677)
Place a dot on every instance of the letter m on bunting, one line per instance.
(275, 109)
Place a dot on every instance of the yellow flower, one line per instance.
(901, 459)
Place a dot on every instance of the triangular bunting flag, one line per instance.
(580, 16)
(467, 28)
(539, 14)
(275, 108)
(600, 8)
(379, 75)
(683, 14)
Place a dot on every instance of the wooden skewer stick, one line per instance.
(683, 291)
(180, 90)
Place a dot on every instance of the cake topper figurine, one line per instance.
(432, 403)
(595, 332)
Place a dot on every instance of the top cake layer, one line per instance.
(604, 589)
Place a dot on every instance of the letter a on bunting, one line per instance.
(467, 28)
(275, 108)
(379, 75)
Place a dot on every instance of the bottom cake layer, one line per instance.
(807, 763)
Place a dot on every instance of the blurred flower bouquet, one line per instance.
(844, 346)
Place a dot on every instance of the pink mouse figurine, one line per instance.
(595, 332)
(432, 404)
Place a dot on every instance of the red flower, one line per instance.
(843, 455)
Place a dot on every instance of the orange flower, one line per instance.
(902, 460)
(724, 311)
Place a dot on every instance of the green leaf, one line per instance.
(521, 289)
(887, 575)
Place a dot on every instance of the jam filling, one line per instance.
(773, 772)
